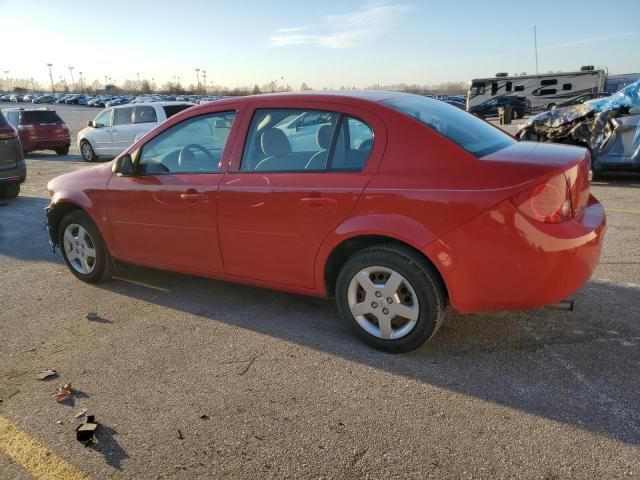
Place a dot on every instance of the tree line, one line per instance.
(146, 86)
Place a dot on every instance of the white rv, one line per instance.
(543, 91)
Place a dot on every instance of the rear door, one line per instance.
(283, 195)
(123, 132)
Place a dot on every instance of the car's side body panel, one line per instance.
(278, 229)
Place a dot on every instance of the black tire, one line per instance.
(9, 190)
(86, 150)
(103, 266)
(515, 115)
(62, 151)
(550, 106)
(424, 280)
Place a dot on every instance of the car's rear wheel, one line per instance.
(62, 151)
(9, 190)
(83, 248)
(394, 300)
(86, 150)
(551, 106)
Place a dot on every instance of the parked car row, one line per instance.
(101, 101)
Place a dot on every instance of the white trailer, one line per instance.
(543, 91)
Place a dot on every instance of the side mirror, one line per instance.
(90, 123)
(124, 166)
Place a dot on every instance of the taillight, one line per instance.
(8, 133)
(548, 202)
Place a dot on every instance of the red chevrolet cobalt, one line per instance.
(396, 205)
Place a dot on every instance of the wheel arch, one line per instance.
(356, 243)
(58, 210)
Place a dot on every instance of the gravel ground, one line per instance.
(193, 378)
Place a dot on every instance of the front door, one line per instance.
(123, 130)
(165, 214)
(283, 195)
(100, 137)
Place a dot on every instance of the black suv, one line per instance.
(520, 106)
(13, 170)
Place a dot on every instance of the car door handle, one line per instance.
(318, 201)
(194, 196)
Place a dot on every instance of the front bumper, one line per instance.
(503, 260)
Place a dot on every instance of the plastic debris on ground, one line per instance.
(85, 431)
(63, 392)
(47, 374)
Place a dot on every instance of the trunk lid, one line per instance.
(573, 162)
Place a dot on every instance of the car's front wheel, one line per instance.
(393, 299)
(9, 190)
(83, 248)
(86, 150)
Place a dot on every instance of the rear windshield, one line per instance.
(40, 116)
(474, 135)
(171, 110)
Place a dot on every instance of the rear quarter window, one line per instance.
(3, 121)
(40, 116)
(469, 132)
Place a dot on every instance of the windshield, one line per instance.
(469, 132)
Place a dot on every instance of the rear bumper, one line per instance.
(35, 143)
(502, 260)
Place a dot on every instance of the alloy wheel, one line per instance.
(383, 302)
(79, 248)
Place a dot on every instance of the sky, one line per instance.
(325, 44)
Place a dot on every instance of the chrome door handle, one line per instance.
(318, 201)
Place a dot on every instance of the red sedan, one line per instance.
(396, 205)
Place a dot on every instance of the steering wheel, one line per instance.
(187, 159)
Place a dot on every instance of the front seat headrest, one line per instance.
(274, 143)
(323, 137)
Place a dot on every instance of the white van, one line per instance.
(116, 128)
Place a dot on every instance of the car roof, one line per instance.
(150, 104)
(360, 96)
(28, 109)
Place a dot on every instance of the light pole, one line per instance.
(80, 81)
(198, 78)
(72, 82)
(6, 73)
(204, 78)
(53, 90)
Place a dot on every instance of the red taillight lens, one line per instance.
(8, 133)
(548, 202)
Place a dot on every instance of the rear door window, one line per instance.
(144, 114)
(290, 140)
(122, 116)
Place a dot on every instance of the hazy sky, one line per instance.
(328, 43)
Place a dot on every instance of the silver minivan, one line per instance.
(116, 128)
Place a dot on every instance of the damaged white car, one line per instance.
(609, 128)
